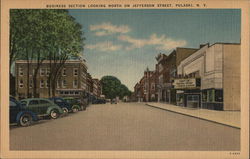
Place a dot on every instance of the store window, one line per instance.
(204, 96)
(210, 94)
(219, 95)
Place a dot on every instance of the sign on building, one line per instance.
(184, 83)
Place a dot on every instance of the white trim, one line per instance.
(19, 71)
(64, 72)
(44, 71)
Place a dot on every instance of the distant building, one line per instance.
(167, 69)
(97, 88)
(72, 79)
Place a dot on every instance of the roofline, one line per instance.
(225, 43)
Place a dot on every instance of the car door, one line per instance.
(44, 105)
(33, 105)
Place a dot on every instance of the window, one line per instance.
(219, 95)
(21, 83)
(42, 72)
(12, 104)
(33, 102)
(31, 83)
(47, 83)
(64, 83)
(75, 72)
(47, 72)
(42, 84)
(66, 92)
(20, 71)
(76, 92)
(210, 95)
(75, 83)
(64, 72)
(43, 102)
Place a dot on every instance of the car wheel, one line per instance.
(25, 120)
(75, 109)
(65, 110)
(54, 114)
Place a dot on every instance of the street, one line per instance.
(125, 126)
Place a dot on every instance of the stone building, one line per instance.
(71, 80)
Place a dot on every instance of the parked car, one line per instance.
(66, 107)
(83, 103)
(99, 101)
(20, 115)
(43, 107)
(75, 105)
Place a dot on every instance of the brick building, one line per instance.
(71, 80)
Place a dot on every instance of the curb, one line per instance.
(193, 116)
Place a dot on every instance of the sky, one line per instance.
(123, 43)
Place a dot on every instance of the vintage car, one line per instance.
(62, 103)
(75, 104)
(43, 107)
(20, 115)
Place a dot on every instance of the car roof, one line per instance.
(29, 99)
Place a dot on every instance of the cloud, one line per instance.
(161, 42)
(104, 46)
(107, 28)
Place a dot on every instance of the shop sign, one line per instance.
(184, 83)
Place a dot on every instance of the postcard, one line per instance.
(124, 79)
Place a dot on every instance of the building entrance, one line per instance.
(193, 100)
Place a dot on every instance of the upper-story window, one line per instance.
(20, 71)
(47, 83)
(42, 84)
(75, 71)
(64, 83)
(21, 83)
(42, 71)
(47, 71)
(64, 72)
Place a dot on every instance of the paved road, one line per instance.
(125, 126)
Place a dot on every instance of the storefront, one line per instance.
(212, 99)
(188, 92)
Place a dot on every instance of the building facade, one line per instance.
(210, 78)
(71, 79)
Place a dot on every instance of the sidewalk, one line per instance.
(229, 118)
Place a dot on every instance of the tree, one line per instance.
(41, 35)
(112, 87)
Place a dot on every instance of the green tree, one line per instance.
(112, 87)
(41, 35)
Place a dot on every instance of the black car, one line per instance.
(66, 107)
(19, 114)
